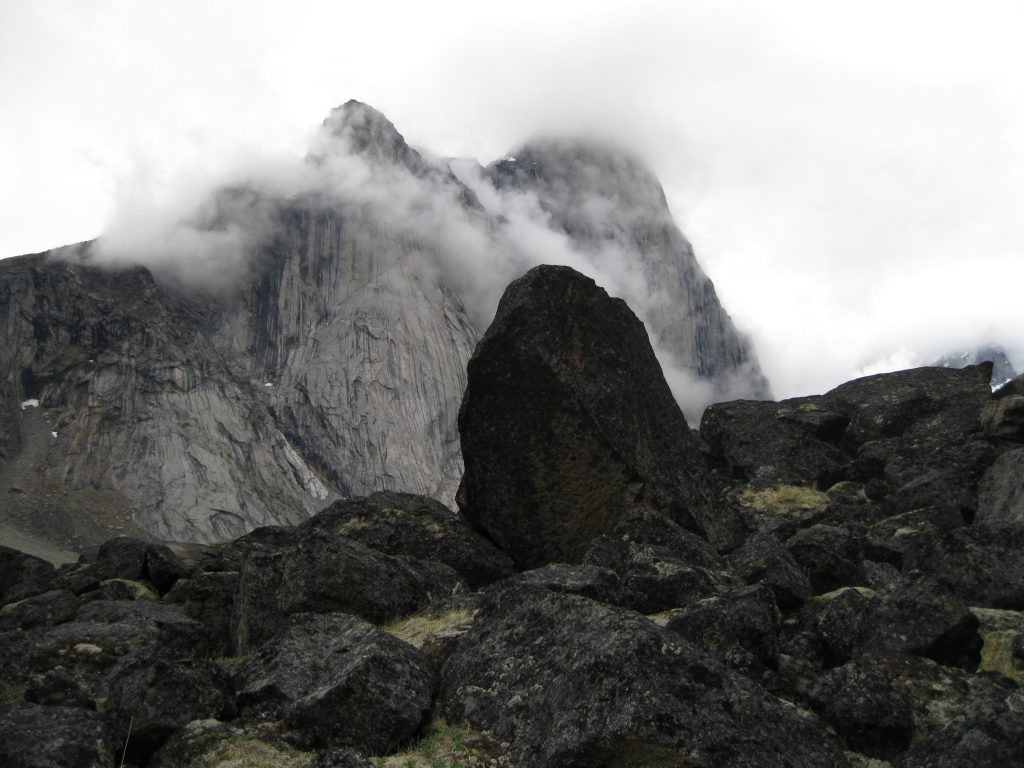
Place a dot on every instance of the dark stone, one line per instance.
(1001, 491)
(891, 404)
(763, 560)
(573, 682)
(868, 712)
(654, 578)
(210, 599)
(313, 571)
(416, 526)
(767, 444)
(591, 581)
(923, 618)
(838, 619)
(153, 698)
(741, 628)
(23, 575)
(337, 681)
(213, 743)
(983, 564)
(829, 555)
(648, 528)
(43, 610)
(34, 736)
(568, 425)
(340, 758)
(889, 540)
(1003, 419)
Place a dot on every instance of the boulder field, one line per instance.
(834, 580)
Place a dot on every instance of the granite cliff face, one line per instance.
(331, 360)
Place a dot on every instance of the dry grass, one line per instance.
(250, 752)
(417, 629)
(784, 499)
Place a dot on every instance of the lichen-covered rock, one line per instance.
(315, 571)
(763, 560)
(1003, 418)
(568, 425)
(337, 681)
(213, 743)
(1001, 492)
(890, 539)
(740, 627)
(570, 681)
(34, 736)
(45, 609)
(592, 581)
(23, 575)
(152, 698)
(416, 526)
(829, 555)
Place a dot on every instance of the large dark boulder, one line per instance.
(33, 736)
(337, 681)
(983, 564)
(763, 560)
(568, 425)
(573, 682)
(23, 575)
(1001, 492)
(306, 570)
(416, 526)
(152, 698)
(768, 444)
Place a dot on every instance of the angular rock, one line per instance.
(211, 742)
(838, 620)
(923, 618)
(150, 699)
(764, 560)
(46, 609)
(601, 584)
(1001, 492)
(741, 628)
(767, 444)
(23, 575)
(867, 710)
(314, 571)
(889, 540)
(983, 564)
(43, 737)
(416, 526)
(337, 681)
(829, 555)
(567, 423)
(1003, 419)
(569, 681)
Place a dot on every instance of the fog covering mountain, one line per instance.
(303, 335)
(1002, 369)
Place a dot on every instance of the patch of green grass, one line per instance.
(997, 655)
(448, 746)
(784, 499)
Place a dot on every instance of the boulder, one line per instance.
(767, 444)
(1003, 419)
(43, 610)
(592, 581)
(307, 570)
(763, 560)
(569, 681)
(213, 743)
(1001, 492)
(829, 555)
(152, 698)
(34, 736)
(838, 621)
(567, 423)
(983, 564)
(740, 627)
(416, 526)
(23, 575)
(337, 681)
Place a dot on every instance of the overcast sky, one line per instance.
(851, 174)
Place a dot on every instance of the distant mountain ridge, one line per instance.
(1002, 368)
(325, 356)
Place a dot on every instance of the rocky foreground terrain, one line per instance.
(827, 581)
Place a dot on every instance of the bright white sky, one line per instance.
(851, 174)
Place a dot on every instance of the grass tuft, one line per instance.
(449, 746)
(784, 499)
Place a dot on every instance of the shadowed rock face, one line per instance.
(567, 423)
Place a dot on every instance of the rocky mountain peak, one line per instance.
(367, 132)
(581, 168)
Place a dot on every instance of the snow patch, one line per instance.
(54, 434)
(33, 403)
(269, 384)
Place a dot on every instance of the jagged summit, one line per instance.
(366, 131)
(583, 168)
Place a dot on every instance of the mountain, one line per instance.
(294, 341)
(1002, 368)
